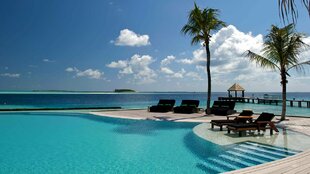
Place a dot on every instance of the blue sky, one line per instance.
(103, 45)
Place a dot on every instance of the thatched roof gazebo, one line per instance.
(236, 87)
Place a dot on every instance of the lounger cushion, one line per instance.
(223, 107)
(187, 107)
(164, 105)
(243, 125)
(263, 117)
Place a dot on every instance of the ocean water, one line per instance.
(13, 100)
(38, 142)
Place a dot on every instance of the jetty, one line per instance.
(266, 100)
(292, 103)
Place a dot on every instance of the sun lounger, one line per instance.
(238, 119)
(187, 107)
(263, 122)
(164, 105)
(223, 108)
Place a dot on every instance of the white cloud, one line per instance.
(10, 75)
(305, 55)
(89, 73)
(166, 61)
(70, 69)
(179, 74)
(6, 68)
(185, 61)
(169, 73)
(166, 70)
(194, 75)
(118, 64)
(138, 66)
(32, 66)
(130, 38)
(126, 70)
(227, 46)
(48, 60)
(228, 64)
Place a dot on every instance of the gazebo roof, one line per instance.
(236, 87)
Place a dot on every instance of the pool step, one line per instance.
(245, 155)
(264, 151)
(256, 154)
(211, 168)
(279, 149)
(238, 160)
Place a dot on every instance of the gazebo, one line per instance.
(236, 87)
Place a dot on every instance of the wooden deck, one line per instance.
(297, 164)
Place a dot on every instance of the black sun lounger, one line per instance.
(164, 105)
(187, 107)
(223, 122)
(223, 108)
(263, 122)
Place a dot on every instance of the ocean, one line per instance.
(139, 100)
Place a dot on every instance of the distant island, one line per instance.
(124, 90)
(69, 91)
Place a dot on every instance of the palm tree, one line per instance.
(200, 25)
(281, 50)
(287, 7)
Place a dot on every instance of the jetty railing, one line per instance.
(292, 103)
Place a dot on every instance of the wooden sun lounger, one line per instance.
(263, 122)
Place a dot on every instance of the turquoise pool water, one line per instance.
(33, 142)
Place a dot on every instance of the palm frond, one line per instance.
(190, 30)
(197, 39)
(287, 7)
(260, 60)
(299, 66)
(293, 49)
(201, 23)
(283, 45)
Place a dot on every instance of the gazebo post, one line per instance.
(236, 87)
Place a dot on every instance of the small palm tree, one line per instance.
(287, 7)
(200, 25)
(281, 50)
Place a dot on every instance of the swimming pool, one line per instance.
(37, 142)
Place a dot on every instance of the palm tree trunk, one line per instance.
(283, 82)
(209, 77)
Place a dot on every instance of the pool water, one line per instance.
(33, 142)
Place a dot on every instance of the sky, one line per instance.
(101, 45)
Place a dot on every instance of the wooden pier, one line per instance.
(292, 103)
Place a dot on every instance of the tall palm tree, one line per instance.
(287, 7)
(201, 22)
(280, 52)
